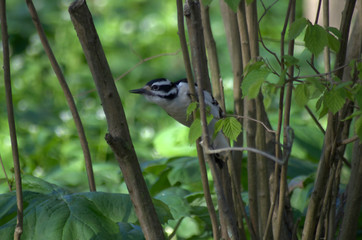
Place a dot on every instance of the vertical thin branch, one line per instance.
(234, 47)
(212, 53)
(250, 126)
(68, 95)
(118, 138)
(283, 175)
(11, 120)
(204, 179)
(198, 53)
(327, 60)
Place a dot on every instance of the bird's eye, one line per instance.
(155, 87)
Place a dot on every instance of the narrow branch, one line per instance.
(287, 149)
(11, 120)
(6, 175)
(349, 140)
(176, 228)
(68, 95)
(143, 60)
(315, 119)
(255, 120)
(211, 52)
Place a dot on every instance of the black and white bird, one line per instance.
(174, 98)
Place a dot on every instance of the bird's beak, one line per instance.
(138, 91)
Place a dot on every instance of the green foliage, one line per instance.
(233, 4)
(334, 100)
(206, 2)
(296, 28)
(230, 126)
(192, 107)
(255, 76)
(195, 130)
(315, 38)
(301, 94)
(358, 127)
(54, 213)
(49, 146)
(290, 60)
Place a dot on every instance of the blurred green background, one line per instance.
(130, 32)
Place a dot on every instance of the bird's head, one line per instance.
(158, 90)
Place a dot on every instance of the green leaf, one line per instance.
(335, 31)
(333, 42)
(90, 215)
(315, 38)
(256, 74)
(192, 106)
(206, 2)
(233, 4)
(175, 200)
(290, 60)
(315, 87)
(282, 77)
(218, 127)
(301, 94)
(358, 96)
(231, 128)
(359, 68)
(296, 28)
(358, 128)
(195, 131)
(334, 100)
(323, 112)
(249, 1)
(184, 170)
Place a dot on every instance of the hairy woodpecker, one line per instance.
(174, 98)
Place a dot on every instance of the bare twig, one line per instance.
(11, 120)
(255, 120)
(318, 11)
(143, 60)
(68, 95)
(349, 140)
(213, 59)
(176, 228)
(6, 176)
(287, 148)
(281, 183)
(249, 149)
(315, 119)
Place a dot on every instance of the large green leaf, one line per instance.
(185, 170)
(334, 100)
(256, 75)
(296, 28)
(333, 42)
(195, 130)
(91, 215)
(301, 94)
(176, 201)
(315, 38)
